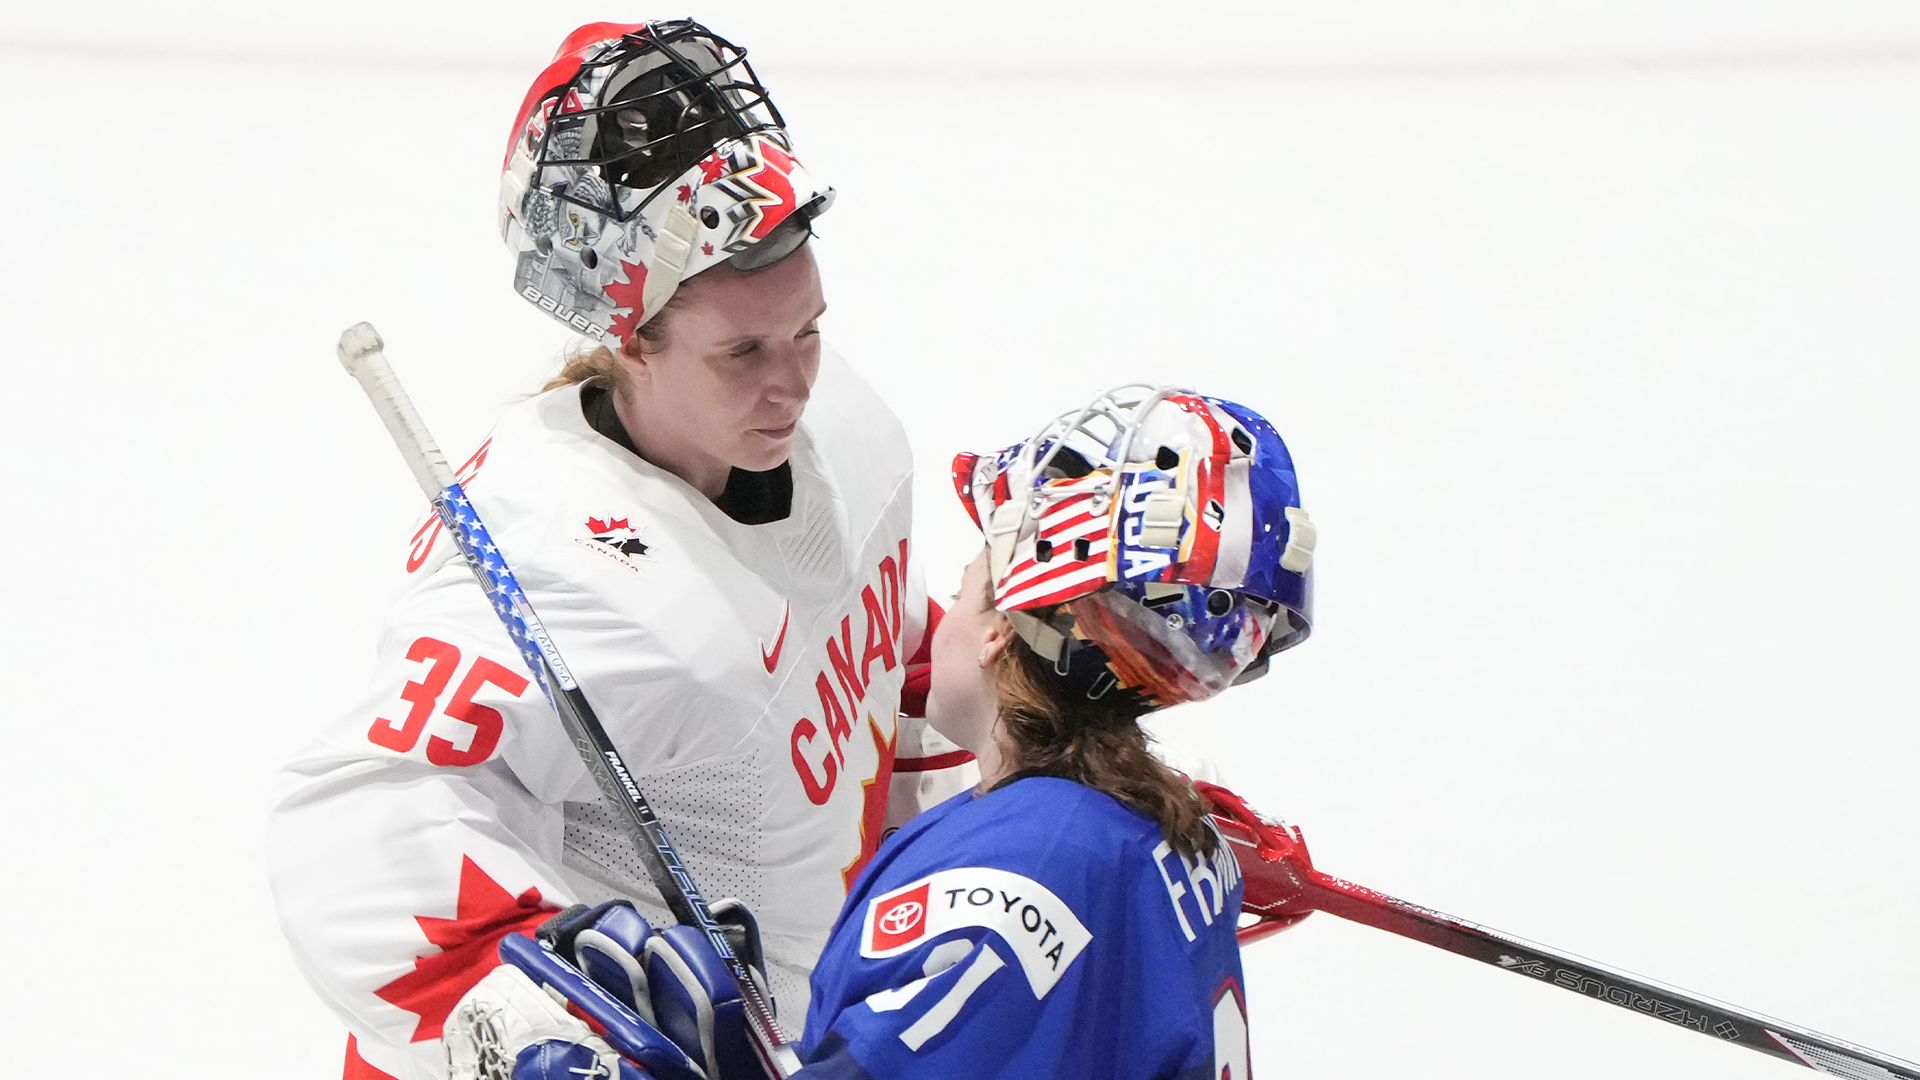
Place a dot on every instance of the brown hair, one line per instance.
(1099, 743)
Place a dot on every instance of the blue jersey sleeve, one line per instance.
(971, 962)
(1042, 930)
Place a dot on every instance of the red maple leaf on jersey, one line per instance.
(595, 525)
(469, 947)
(873, 803)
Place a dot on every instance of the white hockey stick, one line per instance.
(361, 352)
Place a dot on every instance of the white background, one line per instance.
(1591, 326)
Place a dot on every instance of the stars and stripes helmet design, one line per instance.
(644, 154)
(1151, 541)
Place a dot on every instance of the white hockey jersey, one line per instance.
(749, 674)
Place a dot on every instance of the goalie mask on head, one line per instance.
(1150, 543)
(644, 154)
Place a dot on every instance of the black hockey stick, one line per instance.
(361, 352)
(1290, 887)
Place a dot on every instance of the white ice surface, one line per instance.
(1591, 326)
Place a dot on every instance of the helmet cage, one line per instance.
(1152, 540)
(1143, 484)
(625, 114)
(725, 99)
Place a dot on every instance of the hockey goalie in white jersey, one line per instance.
(711, 514)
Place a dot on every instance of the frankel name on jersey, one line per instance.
(1043, 933)
(1198, 887)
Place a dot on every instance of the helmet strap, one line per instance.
(1003, 531)
(1046, 641)
(671, 250)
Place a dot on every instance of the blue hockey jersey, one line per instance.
(1040, 930)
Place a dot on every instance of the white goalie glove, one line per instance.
(507, 1028)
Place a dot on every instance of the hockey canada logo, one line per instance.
(617, 539)
(618, 535)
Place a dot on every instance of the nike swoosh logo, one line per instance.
(772, 659)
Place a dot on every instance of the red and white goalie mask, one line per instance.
(1152, 541)
(644, 154)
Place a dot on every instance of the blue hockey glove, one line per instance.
(637, 984)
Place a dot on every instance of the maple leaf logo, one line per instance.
(686, 192)
(469, 947)
(712, 167)
(618, 534)
(873, 803)
(626, 294)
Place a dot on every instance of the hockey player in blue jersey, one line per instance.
(1073, 916)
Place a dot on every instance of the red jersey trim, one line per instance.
(929, 764)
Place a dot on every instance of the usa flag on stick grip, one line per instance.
(361, 352)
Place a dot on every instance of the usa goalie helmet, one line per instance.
(1151, 542)
(644, 154)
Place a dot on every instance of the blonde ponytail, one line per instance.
(583, 364)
